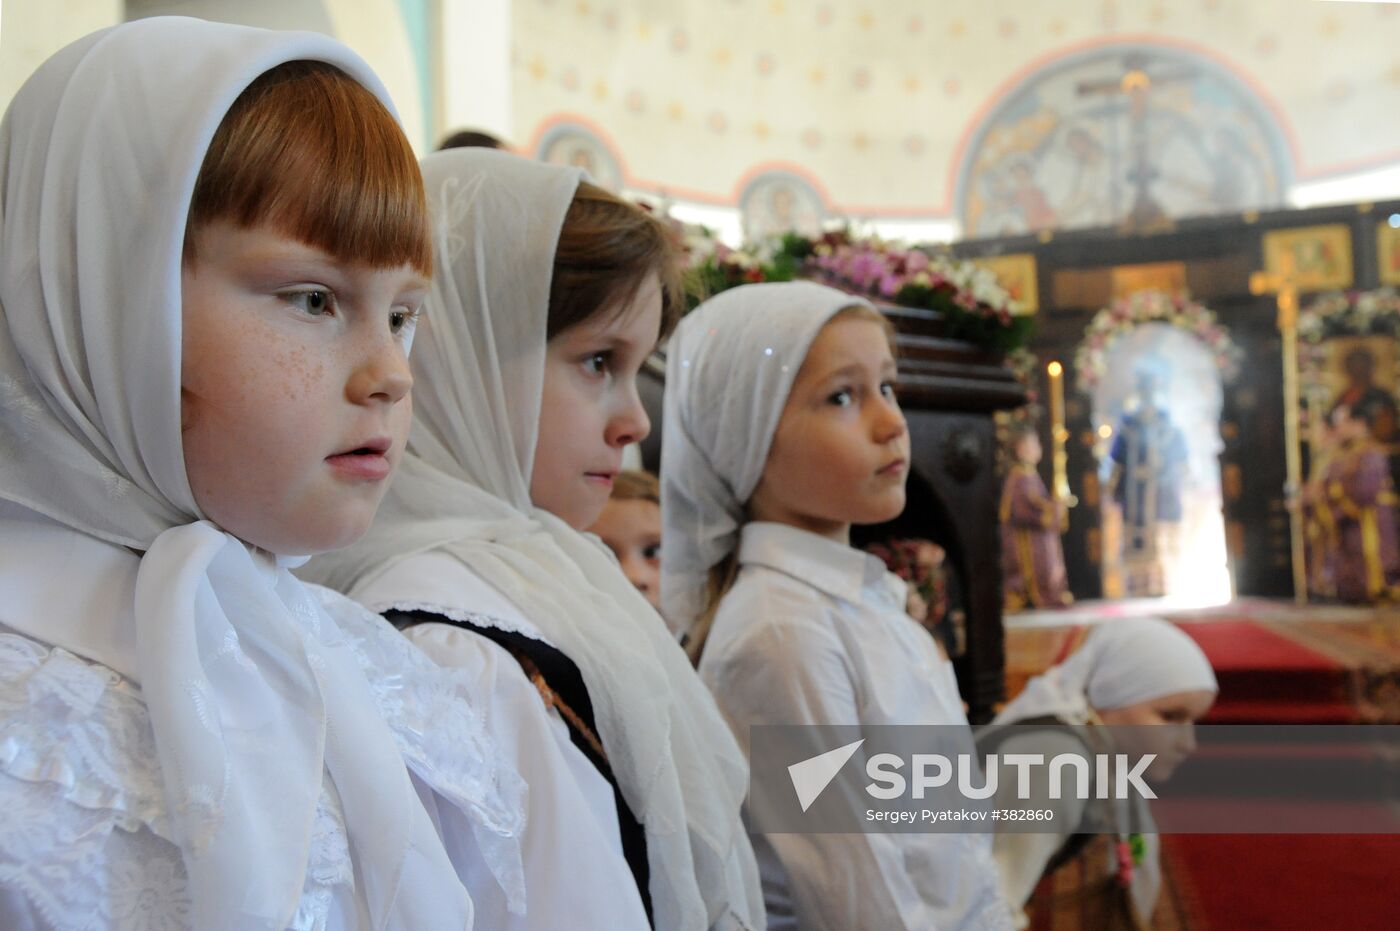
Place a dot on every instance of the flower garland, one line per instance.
(973, 306)
(1091, 358)
(1355, 313)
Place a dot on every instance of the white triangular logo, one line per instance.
(812, 776)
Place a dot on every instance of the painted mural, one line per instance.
(778, 202)
(571, 144)
(1126, 135)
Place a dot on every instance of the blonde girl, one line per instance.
(782, 430)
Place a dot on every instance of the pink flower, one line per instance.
(865, 268)
(890, 284)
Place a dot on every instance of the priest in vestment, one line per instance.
(1361, 498)
(1149, 466)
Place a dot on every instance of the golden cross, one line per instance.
(1285, 286)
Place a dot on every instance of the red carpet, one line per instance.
(1266, 678)
(1274, 669)
(1234, 882)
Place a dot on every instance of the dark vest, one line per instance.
(564, 678)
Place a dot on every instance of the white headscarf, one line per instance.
(252, 690)
(1121, 662)
(729, 369)
(463, 490)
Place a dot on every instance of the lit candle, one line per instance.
(1056, 372)
(1059, 459)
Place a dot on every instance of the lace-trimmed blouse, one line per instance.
(85, 842)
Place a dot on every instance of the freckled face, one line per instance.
(294, 387)
(841, 451)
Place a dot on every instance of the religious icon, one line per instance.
(1312, 258)
(1388, 249)
(1017, 276)
(1347, 505)
(1355, 507)
(1363, 372)
(576, 147)
(779, 202)
(1032, 559)
(1167, 277)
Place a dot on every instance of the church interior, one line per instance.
(1143, 263)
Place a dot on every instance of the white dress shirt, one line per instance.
(815, 632)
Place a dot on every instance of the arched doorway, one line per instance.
(1154, 368)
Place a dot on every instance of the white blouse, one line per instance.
(85, 842)
(566, 828)
(815, 632)
(440, 581)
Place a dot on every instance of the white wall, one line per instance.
(32, 30)
(474, 49)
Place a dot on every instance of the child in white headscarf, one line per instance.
(213, 250)
(782, 431)
(551, 294)
(1133, 671)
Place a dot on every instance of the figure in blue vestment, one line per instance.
(1149, 459)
